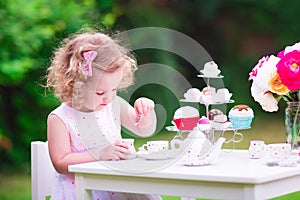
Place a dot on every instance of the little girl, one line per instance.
(85, 73)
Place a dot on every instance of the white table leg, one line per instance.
(252, 192)
(81, 191)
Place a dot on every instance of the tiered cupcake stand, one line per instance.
(212, 132)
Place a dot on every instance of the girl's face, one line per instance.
(101, 89)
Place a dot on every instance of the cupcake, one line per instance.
(219, 122)
(210, 69)
(222, 95)
(208, 94)
(192, 95)
(204, 123)
(186, 118)
(208, 91)
(241, 116)
(213, 112)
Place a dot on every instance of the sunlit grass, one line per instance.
(15, 186)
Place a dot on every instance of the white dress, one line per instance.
(90, 131)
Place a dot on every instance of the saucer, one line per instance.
(160, 155)
(291, 161)
(131, 156)
(195, 162)
(209, 76)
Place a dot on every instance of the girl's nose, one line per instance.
(108, 97)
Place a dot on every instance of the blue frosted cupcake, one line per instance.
(241, 116)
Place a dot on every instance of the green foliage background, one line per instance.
(236, 33)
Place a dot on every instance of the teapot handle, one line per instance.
(175, 144)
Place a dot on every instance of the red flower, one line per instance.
(288, 69)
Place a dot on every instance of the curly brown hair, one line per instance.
(67, 78)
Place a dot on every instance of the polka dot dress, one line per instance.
(88, 132)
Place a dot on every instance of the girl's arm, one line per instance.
(60, 148)
(130, 115)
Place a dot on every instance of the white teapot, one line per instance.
(198, 149)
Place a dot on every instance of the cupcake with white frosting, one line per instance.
(207, 95)
(220, 122)
(192, 95)
(241, 116)
(210, 69)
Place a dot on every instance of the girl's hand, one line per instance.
(118, 151)
(143, 106)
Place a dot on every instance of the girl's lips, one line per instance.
(103, 104)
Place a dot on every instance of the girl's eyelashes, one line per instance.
(101, 92)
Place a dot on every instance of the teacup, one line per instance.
(257, 149)
(279, 150)
(130, 143)
(155, 146)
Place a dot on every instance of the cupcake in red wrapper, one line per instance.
(186, 118)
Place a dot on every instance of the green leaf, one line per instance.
(14, 70)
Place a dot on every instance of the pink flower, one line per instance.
(280, 54)
(288, 69)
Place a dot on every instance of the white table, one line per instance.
(234, 176)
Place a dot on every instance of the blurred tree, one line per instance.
(30, 30)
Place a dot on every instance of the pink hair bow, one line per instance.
(89, 57)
